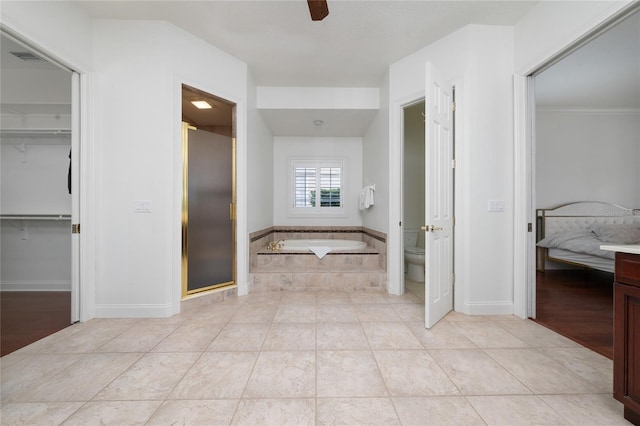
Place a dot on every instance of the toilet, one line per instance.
(413, 255)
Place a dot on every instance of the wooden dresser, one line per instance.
(626, 334)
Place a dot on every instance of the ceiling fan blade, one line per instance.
(318, 9)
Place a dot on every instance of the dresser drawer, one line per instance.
(628, 269)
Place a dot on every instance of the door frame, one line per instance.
(241, 227)
(83, 265)
(524, 276)
(402, 146)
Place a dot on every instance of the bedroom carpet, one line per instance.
(578, 304)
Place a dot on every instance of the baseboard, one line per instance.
(488, 308)
(60, 285)
(133, 311)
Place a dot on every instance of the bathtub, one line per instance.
(335, 245)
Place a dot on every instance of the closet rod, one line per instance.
(36, 132)
(35, 217)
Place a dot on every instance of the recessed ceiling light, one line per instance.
(201, 104)
(318, 122)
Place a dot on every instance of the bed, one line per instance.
(572, 234)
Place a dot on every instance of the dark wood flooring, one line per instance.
(28, 316)
(578, 304)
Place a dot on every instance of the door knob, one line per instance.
(430, 228)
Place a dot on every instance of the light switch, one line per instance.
(495, 206)
(142, 206)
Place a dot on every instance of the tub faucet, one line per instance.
(276, 245)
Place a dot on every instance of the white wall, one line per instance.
(490, 153)
(36, 86)
(310, 148)
(260, 193)
(60, 29)
(375, 164)
(551, 26)
(139, 68)
(587, 156)
(34, 175)
(35, 254)
(479, 60)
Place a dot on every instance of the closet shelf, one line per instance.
(26, 137)
(35, 217)
(35, 132)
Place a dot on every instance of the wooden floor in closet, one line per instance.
(28, 316)
(579, 305)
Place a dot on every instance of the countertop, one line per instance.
(631, 248)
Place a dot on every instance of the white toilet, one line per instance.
(414, 255)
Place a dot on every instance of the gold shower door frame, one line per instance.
(185, 216)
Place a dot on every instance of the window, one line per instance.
(317, 187)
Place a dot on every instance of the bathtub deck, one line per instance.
(304, 271)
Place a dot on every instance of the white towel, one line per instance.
(320, 251)
(366, 197)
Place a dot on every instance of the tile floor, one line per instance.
(305, 358)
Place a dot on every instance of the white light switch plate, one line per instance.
(495, 206)
(142, 206)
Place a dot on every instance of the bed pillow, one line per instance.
(617, 233)
(585, 242)
(561, 240)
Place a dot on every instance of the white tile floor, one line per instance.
(308, 358)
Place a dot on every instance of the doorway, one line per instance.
(40, 195)
(580, 132)
(413, 197)
(437, 223)
(209, 196)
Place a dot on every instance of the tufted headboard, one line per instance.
(576, 217)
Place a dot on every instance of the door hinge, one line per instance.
(75, 228)
(529, 227)
(453, 106)
(453, 164)
(454, 220)
(453, 277)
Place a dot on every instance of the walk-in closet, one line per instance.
(36, 200)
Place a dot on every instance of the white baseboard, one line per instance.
(488, 308)
(59, 285)
(133, 311)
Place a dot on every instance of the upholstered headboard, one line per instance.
(576, 217)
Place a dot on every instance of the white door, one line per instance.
(438, 198)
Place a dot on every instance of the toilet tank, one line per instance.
(410, 237)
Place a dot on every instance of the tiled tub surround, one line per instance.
(338, 270)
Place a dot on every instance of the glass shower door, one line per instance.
(208, 225)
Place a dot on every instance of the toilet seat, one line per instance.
(414, 250)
